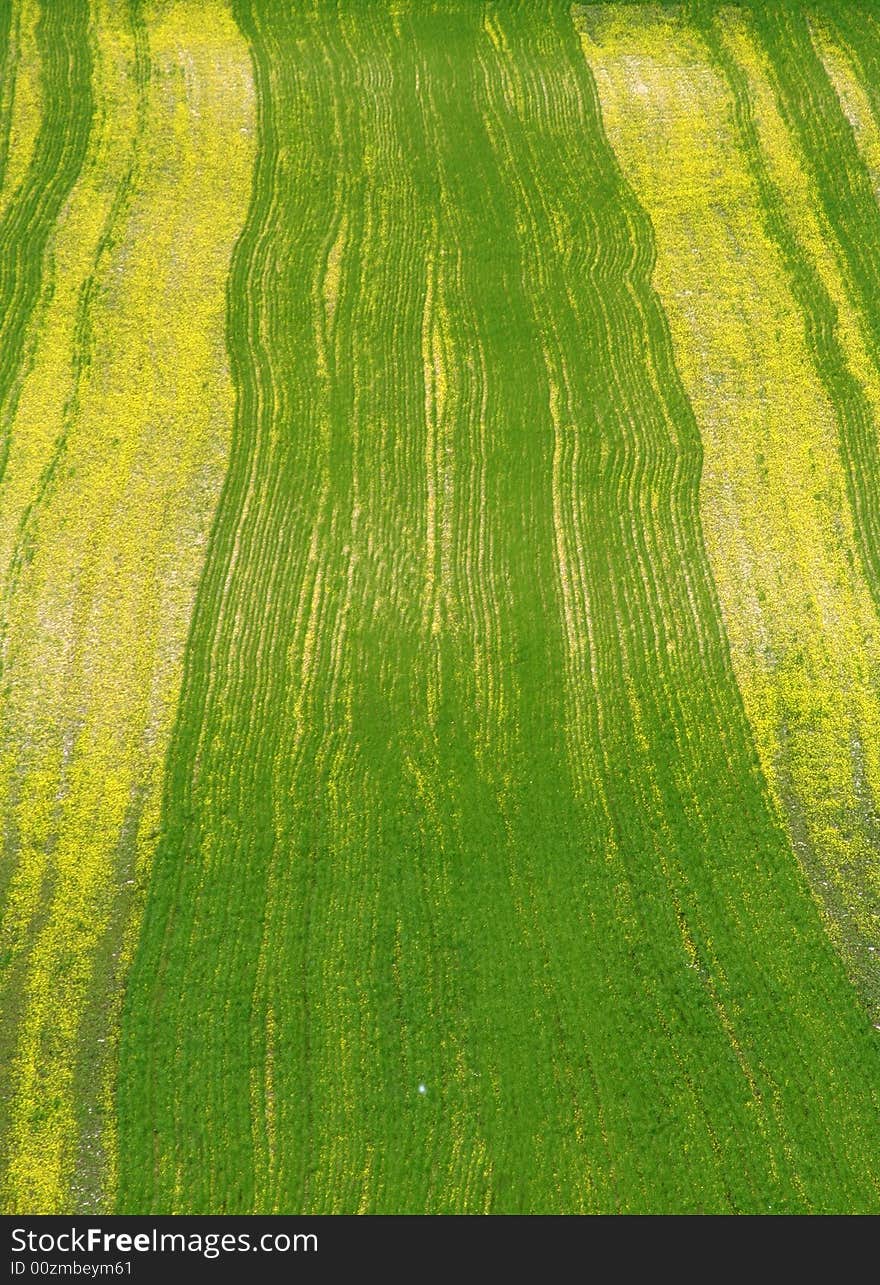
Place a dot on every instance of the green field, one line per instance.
(439, 606)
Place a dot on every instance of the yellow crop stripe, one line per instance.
(803, 630)
(118, 452)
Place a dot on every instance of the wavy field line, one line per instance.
(840, 347)
(77, 255)
(469, 895)
(47, 407)
(34, 205)
(21, 95)
(842, 188)
(803, 627)
(845, 69)
(842, 801)
(852, 32)
(650, 463)
(103, 534)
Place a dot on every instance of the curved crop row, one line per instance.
(469, 894)
(849, 58)
(809, 104)
(784, 393)
(29, 217)
(21, 95)
(805, 637)
(857, 30)
(116, 454)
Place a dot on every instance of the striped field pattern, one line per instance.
(439, 606)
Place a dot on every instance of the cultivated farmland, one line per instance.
(440, 575)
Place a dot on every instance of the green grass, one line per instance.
(461, 791)
(387, 831)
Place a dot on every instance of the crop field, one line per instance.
(439, 606)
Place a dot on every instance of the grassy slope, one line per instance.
(116, 454)
(461, 792)
(774, 367)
